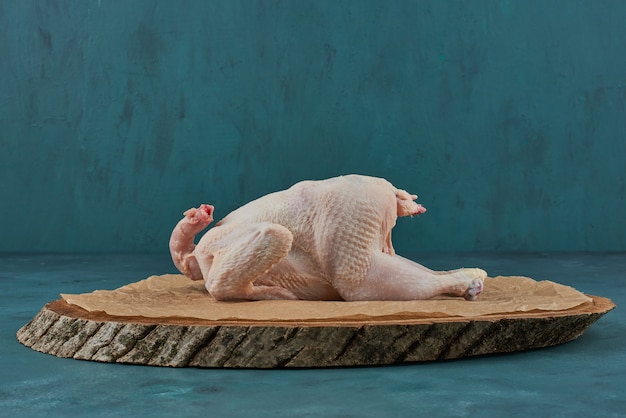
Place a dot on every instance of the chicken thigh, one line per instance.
(318, 240)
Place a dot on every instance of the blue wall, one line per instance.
(508, 118)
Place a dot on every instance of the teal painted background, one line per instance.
(508, 118)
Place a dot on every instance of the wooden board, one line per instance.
(66, 330)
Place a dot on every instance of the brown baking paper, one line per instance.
(174, 295)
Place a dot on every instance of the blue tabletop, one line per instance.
(585, 377)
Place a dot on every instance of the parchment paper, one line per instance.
(174, 295)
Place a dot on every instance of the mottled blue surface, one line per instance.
(583, 378)
(506, 117)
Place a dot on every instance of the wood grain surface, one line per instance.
(66, 330)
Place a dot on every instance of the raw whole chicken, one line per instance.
(318, 240)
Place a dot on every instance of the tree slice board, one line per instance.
(66, 330)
